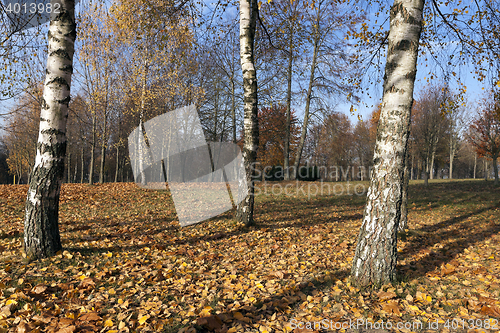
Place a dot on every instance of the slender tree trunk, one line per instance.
(451, 166)
(216, 114)
(69, 168)
(83, 164)
(412, 163)
(76, 170)
(426, 173)
(104, 130)
(485, 169)
(495, 169)
(305, 123)
(374, 261)
(92, 149)
(286, 143)
(475, 164)
(141, 127)
(431, 169)
(233, 108)
(248, 17)
(117, 166)
(452, 155)
(41, 229)
(103, 150)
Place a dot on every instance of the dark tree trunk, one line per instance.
(305, 123)
(82, 164)
(286, 143)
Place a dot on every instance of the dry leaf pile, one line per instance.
(128, 267)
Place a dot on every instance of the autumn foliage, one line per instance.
(272, 126)
(127, 265)
(484, 132)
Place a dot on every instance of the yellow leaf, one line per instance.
(111, 291)
(109, 254)
(120, 301)
(108, 323)
(414, 308)
(143, 319)
(206, 311)
(11, 301)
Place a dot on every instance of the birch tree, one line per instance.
(41, 230)
(375, 257)
(248, 16)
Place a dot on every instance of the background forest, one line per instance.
(312, 61)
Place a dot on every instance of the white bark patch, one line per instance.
(33, 198)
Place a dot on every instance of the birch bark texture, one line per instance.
(41, 229)
(248, 18)
(376, 252)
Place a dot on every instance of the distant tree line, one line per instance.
(443, 137)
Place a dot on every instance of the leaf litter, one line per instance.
(127, 266)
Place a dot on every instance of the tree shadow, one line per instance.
(434, 234)
(163, 232)
(264, 309)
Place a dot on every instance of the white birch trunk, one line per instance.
(375, 258)
(41, 229)
(248, 17)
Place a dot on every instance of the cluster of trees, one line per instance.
(139, 59)
(448, 139)
(123, 77)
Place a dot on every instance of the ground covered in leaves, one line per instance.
(127, 266)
